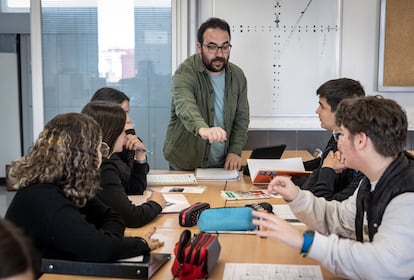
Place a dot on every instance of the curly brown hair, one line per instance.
(66, 154)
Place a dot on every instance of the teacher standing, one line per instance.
(209, 107)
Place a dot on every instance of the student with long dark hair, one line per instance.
(111, 118)
(131, 161)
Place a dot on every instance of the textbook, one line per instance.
(262, 171)
(241, 195)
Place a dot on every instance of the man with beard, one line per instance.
(209, 107)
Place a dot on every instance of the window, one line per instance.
(125, 44)
(15, 6)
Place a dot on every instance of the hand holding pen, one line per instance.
(134, 143)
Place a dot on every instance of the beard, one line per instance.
(210, 63)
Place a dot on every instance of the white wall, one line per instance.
(360, 50)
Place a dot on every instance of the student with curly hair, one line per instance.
(56, 206)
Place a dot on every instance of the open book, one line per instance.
(262, 171)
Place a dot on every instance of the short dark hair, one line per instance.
(110, 117)
(383, 120)
(17, 254)
(212, 23)
(338, 89)
(109, 94)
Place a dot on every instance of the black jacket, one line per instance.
(114, 195)
(397, 179)
(59, 229)
(325, 182)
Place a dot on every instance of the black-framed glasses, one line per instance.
(213, 48)
(337, 135)
(105, 150)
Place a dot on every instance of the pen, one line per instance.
(143, 149)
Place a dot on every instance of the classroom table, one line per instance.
(235, 248)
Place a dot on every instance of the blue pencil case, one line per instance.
(226, 219)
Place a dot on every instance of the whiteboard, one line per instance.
(287, 49)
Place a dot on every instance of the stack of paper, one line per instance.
(219, 174)
(171, 179)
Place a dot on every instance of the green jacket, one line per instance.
(192, 107)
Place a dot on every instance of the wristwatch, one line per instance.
(308, 236)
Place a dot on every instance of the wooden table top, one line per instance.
(235, 248)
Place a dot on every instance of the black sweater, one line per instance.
(61, 230)
(114, 195)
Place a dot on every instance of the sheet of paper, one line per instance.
(284, 212)
(132, 259)
(175, 202)
(259, 271)
(171, 179)
(219, 174)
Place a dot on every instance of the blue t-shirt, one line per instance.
(217, 157)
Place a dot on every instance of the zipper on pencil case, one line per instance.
(186, 212)
(193, 245)
(204, 244)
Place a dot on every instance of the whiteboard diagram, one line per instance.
(287, 49)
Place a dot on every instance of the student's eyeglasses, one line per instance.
(213, 48)
(337, 135)
(105, 150)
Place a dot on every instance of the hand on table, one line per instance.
(233, 162)
(152, 243)
(158, 198)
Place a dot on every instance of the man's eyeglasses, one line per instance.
(213, 48)
(337, 135)
(105, 150)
